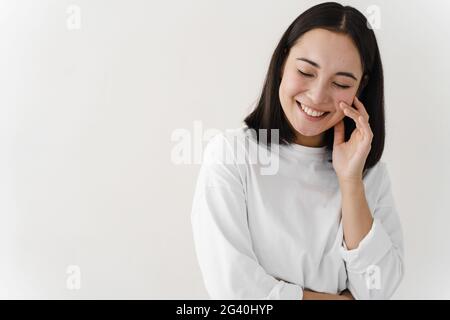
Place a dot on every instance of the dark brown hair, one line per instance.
(347, 20)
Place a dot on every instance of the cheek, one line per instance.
(292, 84)
(346, 95)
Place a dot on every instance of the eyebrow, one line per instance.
(340, 73)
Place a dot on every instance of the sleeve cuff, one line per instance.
(286, 291)
(372, 248)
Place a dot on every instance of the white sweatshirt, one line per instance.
(270, 234)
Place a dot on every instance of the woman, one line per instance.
(321, 223)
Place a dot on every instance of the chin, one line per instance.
(308, 132)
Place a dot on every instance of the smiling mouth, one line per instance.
(312, 113)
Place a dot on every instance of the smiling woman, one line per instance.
(324, 225)
(317, 87)
(327, 55)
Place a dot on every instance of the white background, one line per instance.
(87, 115)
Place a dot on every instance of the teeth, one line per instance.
(311, 112)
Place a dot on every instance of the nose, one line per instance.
(318, 93)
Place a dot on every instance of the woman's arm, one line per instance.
(356, 217)
(312, 295)
(222, 239)
(373, 243)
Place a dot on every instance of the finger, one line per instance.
(366, 128)
(339, 133)
(360, 106)
(351, 113)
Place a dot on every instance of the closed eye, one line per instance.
(305, 74)
(341, 85)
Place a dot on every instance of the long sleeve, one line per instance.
(376, 267)
(222, 238)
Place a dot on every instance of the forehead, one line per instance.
(329, 49)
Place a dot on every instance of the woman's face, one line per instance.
(322, 69)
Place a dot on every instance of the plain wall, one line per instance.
(92, 91)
